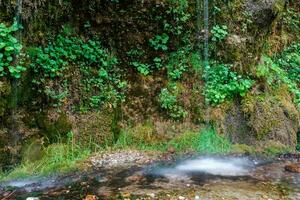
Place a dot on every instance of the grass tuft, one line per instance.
(56, 158)
(206, 141)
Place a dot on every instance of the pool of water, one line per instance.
(189, 176)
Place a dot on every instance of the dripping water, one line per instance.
(15, 83)
(206, 36)
(203, 35)
(206, 54)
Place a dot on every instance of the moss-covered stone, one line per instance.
(32, 150)
(5, 153)
(243, 149)
(95, 128)
(53, 127)
(4, 94)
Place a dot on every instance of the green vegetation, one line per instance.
(289, 60)
(142, 68)
(206, 141)
(282, 69)
(298, 141)
(219, 33)
(222, 84)
(86, 60)
(56, 158)
(112, 65)
(10, 51)
(178, 63)
(168, 101)
(159, 42)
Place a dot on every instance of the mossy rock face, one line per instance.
(4, 94)
(264, 11)
(243, 149)
(273, 148)
(234, 124)
(260, 118)
(95, 127)
(273, 116)
(32, 150)
(53, 126)
(5, 154)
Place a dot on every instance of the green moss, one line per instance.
(97, 128)
(243, 149)
(261, 111)
(4, 94)
(32, 150)
(279, 6)
(273, 148)
(55, 130)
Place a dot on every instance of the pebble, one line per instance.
(181, 198)
(197, 197)
(91, 197)
(32, 198)
(152, 195)
(119, 159)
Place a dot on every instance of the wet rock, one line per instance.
(135, 178)
(32, 198)
(152, 195)
(171, 150)
(295, 168)
(91, 197)
(253, 121)
(235, 40)
(264, 11)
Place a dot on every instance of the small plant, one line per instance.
(219, 33)
(205, 141)
(96, 68)
(142, 68)
(157, 62)
(178, 63)
(160, 42)
(180, 14)
(291, 20)
(289, 60)
(10, 50)
(222, 83)
(276, 72)
(56, 158)
(168, 101)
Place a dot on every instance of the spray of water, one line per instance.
(225, 166)
(214, 166)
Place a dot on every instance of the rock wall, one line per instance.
(128, 24)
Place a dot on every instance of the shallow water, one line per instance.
(214, 166)
(210, 176)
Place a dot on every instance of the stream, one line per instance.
(196, 177)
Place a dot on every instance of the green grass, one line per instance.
(205, 141)
(126, 141)
(56, 158)
(65, 157)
